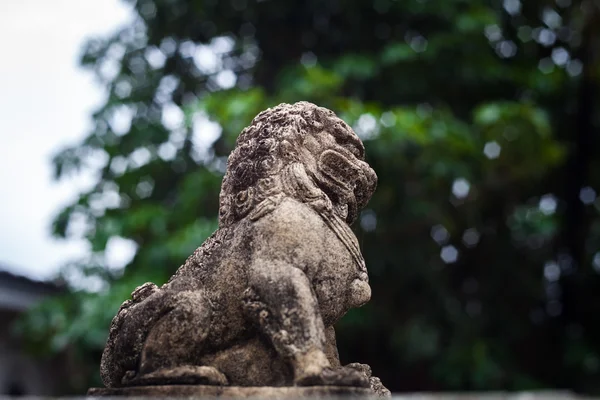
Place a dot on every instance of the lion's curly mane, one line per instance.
(266, 161)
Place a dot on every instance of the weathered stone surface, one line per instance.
(260, 392)
(256, 303)
(318, 392)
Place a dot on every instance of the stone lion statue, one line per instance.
(256, 302)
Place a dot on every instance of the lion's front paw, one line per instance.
(374, 382)
(363, 368)
(341, 376)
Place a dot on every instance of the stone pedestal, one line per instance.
(260, 392)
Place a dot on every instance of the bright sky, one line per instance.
(45, 104)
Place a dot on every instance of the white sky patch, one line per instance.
(204, 133)
(119, 252)
(45, 104)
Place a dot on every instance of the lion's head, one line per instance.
(300, 150)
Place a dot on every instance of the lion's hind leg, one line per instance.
(173, 349)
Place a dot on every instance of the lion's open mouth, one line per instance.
(348, 184)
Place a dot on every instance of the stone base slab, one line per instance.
(262, 392)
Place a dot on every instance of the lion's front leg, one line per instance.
(332, 354)
(281, 301)
(331, 350)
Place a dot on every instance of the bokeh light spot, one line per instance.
(544, 36)
(308, 59)
(547, 204)
(145, 187)
(512, 7)
(596, 262)
(172, 116)
(119, 252)
(506, 49)
(140, 157)
(155, 57)
(226, 79)
(587, 195)
(205, 58)
(470, 237)
(551, 271)
(118, 165)
(439, 234)
(449, 254)
(551, 18)
(418, 43)
(366, 126)
(574, 68)
(493, 33)
(492, 150)
(388, 119)
(546, 65)
(368, 220)
(461, 188)
(560, 56)
(167, 151)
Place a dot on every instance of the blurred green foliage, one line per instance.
(479, 117)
